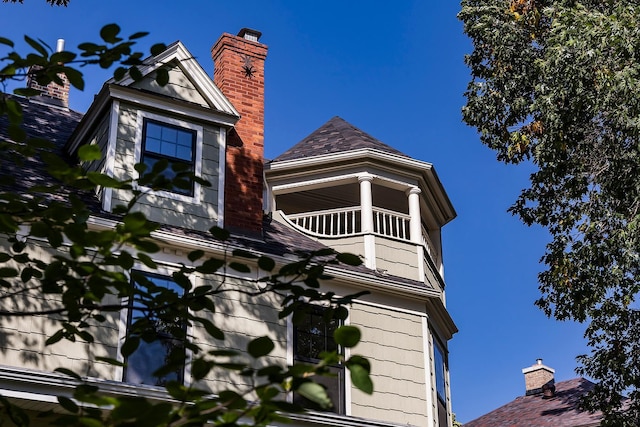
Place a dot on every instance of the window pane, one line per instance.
(440, 372)
(153, 130)
(151, 356)
(175, 144)
(312, 336)
(152, 144)
(169, 134)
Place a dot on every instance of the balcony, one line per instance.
(347, 222)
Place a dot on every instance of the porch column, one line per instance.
(415, 228)
(415, 223)
(366, 218)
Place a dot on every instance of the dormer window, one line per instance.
(179, 143)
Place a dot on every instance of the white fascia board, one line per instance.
(171, 106)
(204, 84)
(425, 169)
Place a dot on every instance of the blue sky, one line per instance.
(395, 70)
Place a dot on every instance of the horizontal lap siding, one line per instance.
(242, 318)
(397, 258)
(393, 342)
(179, 87)
(22, 339)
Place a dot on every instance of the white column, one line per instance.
(415, 228)
(415, 223)
(366, 217)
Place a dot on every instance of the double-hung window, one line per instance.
(176, 145)
(312, 336)
(161, 332)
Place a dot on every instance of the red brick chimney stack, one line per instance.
(52, 93)
(239, 73)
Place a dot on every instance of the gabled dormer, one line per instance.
(188, 122)
(357, 194)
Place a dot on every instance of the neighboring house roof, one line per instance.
(561, 410)
(335, 136)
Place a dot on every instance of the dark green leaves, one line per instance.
(110, 32)
(260, 347)
(347, 336)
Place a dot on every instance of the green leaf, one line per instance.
(8, 272)
(103, 180)
(200, 368)
(110, 361)
(162, 76)
(266, 263)
(68, 404)
(211, 329)
(195, 255)
(68, 372)
(146, 260)
(347, 336)
(135, 74)
(75, 77)
(219, 233)
(315, 393)
(130, 345)
(110, 32)
(237, 266)
(349, 259)
(158, 48)
(138, 35)
(37, 46)
(361, 379)
(89, 152)
(260, 347)
(28, 92)
(6, 42)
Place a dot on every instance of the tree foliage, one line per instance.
(557, 84)
(91, 274)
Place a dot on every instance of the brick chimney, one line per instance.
(239, 73)
(538, 379)
(52, 93)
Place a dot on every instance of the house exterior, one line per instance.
(545, 403)
(338, 188)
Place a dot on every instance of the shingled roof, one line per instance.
(561, 410)
(335, 136)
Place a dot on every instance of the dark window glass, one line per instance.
(313, 335)
(440, 371)
(150, 356)
(175, 144)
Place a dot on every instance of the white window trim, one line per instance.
(197, 188)
(347, 354)
(162, 270)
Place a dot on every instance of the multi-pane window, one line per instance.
(312, 336)
(175, 144)
(166, 329)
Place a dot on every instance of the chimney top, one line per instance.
(538, 378)
(60, 45)
(249, 34)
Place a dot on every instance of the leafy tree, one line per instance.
(91, 272)
(556, 84)
(51, 2)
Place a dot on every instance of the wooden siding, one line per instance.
(393, 342)
(397, 258)
(354, 245)
(179, 86)
(163, 209)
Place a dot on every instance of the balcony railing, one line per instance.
(346, 222)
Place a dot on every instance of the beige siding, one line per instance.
(397, 258)
(22, 339)
(393, 342)
(179, 86)
(243, 318)
(162, 209)
(354, 245)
